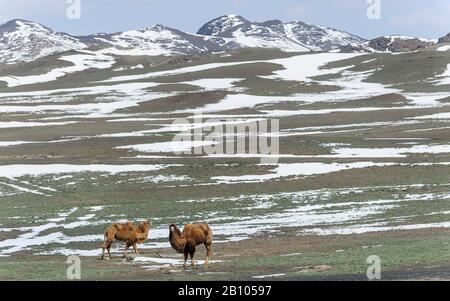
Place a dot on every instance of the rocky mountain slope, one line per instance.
(399, 43)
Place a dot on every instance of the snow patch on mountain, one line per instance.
(291, 36)
(152, 41)
(318, 38)
(256, 38)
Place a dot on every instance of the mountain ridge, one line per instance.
(23, 40)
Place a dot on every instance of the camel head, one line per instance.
(174, 229)
(145, 225)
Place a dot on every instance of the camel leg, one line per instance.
(208, 252)
(103, 250)
(126, 250)
(185, 258)
(192, 253)
(135, 249)
(106, 246)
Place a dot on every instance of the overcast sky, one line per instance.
(430, 19)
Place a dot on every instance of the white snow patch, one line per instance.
(388, 152)
(80, 62)
(377, 227)
(13, 143)
(184, 70)
(444, 48)
(303, 67)
(20, 124)
(445, 115)
(444, 78)
(168, 147)
(20, 170)
(168, 261)
(297, 169)
(268, 276)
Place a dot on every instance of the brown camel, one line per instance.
(126, 232)
(192, 236)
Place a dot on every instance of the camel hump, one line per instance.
(118, 226)
(124, 226)
(206, 228)
(129, 225)
(197, 229)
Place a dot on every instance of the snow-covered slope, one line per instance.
(295, 36)
(314, 37)
(250, 34)
(25, 41)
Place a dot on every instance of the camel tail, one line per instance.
(208, 233)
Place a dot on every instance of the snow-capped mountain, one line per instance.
(160, 40)
(294, 36)
(318, 38)
(22, 40)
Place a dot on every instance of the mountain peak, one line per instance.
(272, 23)
(19, 22)
(157, 27)
(221, 25)
(232, 16)
(14, 24)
